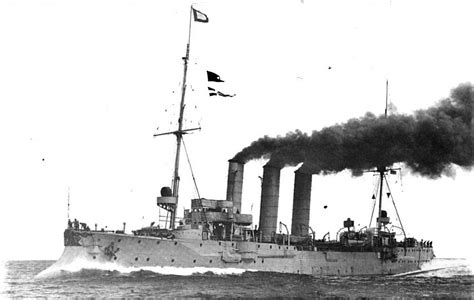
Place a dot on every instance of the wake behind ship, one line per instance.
(216, 234)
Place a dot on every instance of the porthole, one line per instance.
(220, 243)
(270, 246)
(119, 240)
(139, 241)
(263, 261)
(115, 257)
(147, 259)
(258, 246)
(200, 245)
(254, 261)
(279, 247)
(172, 260)
(194, 261)
(176, 243)
(232, 244)
(286, 247)
(136, 258)
(210, 261)
(93, 257)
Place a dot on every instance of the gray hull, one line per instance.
(123, 250)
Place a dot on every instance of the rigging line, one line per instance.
(386, 99)
(401, 180)
(396, 210)
(68, 193)
(375, 200)
(191, 168)
(376, 187)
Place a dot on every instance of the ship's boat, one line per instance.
(216, 234)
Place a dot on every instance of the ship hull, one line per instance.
(123, 250)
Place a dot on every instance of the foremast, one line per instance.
(179, 132)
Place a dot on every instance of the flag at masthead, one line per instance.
(199, 16)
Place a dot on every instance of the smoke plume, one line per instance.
(429, 141)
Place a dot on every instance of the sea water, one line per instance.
(34, 279)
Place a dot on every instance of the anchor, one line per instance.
(110, 250)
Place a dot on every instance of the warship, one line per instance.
(217, 234)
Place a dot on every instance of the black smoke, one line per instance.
(429, 142)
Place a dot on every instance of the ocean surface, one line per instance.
(451, 278)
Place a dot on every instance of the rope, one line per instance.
(396, 210)
(376, 188)
(191, 168)
(203, 213)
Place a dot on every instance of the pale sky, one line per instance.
(84, 85)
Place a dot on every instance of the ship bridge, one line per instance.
(220, 219)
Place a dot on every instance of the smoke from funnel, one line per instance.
(428, 142)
